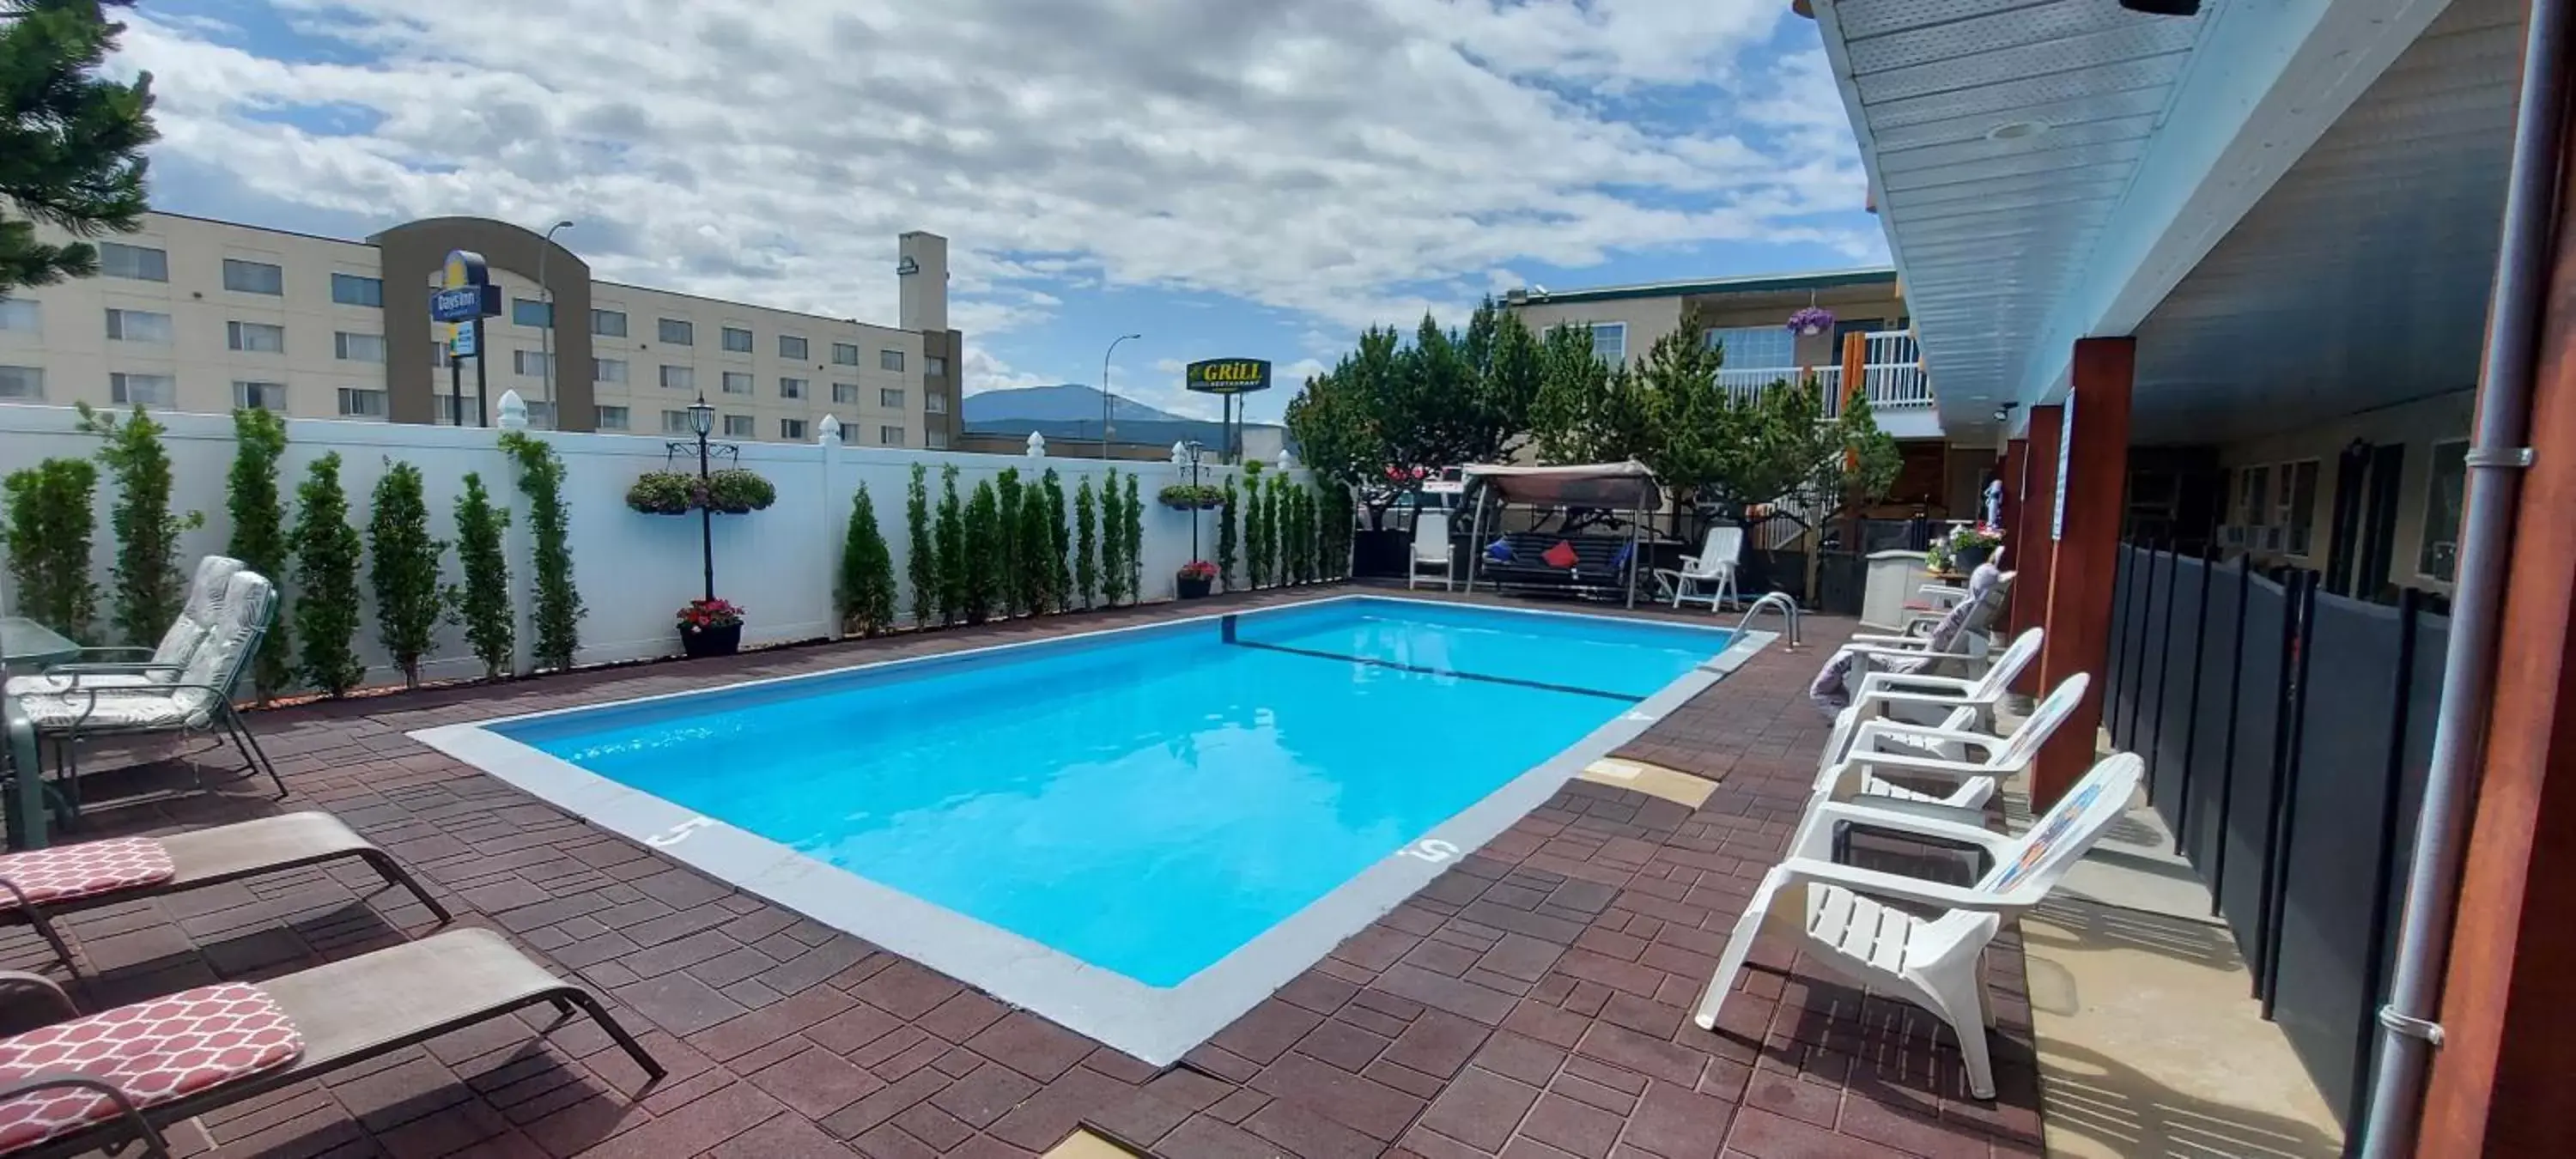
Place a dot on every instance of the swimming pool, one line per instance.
(1138, 833)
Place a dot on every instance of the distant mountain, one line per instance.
(1070, 402)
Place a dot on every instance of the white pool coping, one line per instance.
(1154, 1023)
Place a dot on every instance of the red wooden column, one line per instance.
(2502, 1076)
(2009, 471)
(2095, 434)
(2031, 552)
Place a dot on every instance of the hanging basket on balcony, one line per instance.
(1811, 320)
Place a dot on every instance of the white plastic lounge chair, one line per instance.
(1831, 912)
(1972, 763)
(128, 666)
(1709, 576)
(199, 698)
(1430, 548)
(1919, 697)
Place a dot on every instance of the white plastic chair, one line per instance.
(1942, 754)
(1430, 548)
(1710, 575)
(1931, 962)
(145, 666)
(1925, 695)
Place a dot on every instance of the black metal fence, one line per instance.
(2287, 733)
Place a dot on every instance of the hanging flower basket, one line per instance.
(1191, 497)
(1811, 320)
(732, 491)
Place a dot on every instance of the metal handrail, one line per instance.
(1788, 609)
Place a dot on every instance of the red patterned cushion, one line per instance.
(91, 867)
(155, 1052)
(1561, 555)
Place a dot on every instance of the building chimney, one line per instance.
(921, 270)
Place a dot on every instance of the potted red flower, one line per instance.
(1195, 577)
(710, 628)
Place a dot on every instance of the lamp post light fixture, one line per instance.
(546, 337)
(1105, 396)
(702, 419)
(1186, 458)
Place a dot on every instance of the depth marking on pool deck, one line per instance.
(1400, 667)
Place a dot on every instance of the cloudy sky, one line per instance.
(1229, 177)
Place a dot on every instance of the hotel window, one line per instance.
(935, 366)
(736, 382)
(138, 326)
(737, 340)
(890, 360)
(937, 440)
(888, 396)
(676, 422)
(791, 388)
(890, 436)
(845, 354)
(353, 290)
(2254, 501)
(845, 394)
(267, 396)
(608, 418)
(1747, 347)
(608, 323)
(791, 347)
(358, 402)
(1610, 342)
(452, 409)
(535, 312)
(255, 337)
(679, 377)
(792, 430)
(358, 347)
(139, 262)
(529, 362)
(608, 370)
(2445, 503)
(541, 415)
(676, 332)
(2298, 511)
(934, 402)
(25, 383)
(142, 390)
(738, 427)
(21, 315)
(243, 277)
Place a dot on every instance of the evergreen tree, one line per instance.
(71, 143)
(866, 587)
(1113, 538)
(1133, 549)
(150, 588)
(483, 603)
(923, 564)
(1225, 537)
(408, 600)
(326, 580)
(1014, 594)
(1059, 542)
(952, 549)
(51, 527)
(259, 532)
(558, 610)
(984, 579)
(1034, 554)
(1256, 550)
(1086, 546)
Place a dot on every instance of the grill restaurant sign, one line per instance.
(1227, 375)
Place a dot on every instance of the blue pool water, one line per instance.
(1143, 801)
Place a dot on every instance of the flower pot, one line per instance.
(1195, 586)
(720, 641)
(1967, 559)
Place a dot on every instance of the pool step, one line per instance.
(1653, 780)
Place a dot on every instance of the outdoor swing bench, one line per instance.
(1522, 560)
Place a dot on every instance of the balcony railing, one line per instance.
(1891, 370)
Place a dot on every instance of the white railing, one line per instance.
(1892, 372)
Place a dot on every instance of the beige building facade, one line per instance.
(192, 314)
(1749, 315)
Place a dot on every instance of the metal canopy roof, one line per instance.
(1627, 486)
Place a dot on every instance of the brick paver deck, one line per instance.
(1529, 1003)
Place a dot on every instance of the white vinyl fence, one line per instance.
(634, 570)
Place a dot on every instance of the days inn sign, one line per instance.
(1227, 375)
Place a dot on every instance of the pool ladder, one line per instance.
(1788, 609)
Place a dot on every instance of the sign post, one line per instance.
(465, 297)
(1228, 378)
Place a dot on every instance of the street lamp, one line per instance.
(702, 419)
(546, 337)
(1105, 396)
(1187, 457)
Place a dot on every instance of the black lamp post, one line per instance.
(702, 419)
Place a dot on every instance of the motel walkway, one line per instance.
(1529, 1003)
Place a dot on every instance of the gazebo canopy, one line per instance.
(1627, 486)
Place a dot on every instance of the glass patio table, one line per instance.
(27, 645)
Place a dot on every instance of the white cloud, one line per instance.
(1310, 155)
(980, 371)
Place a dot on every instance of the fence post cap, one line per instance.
(514, 411)
(828, 432)
(1037, 445)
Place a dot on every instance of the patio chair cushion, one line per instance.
(55, 685)
(90, 867)
(1561, 555)
(155, 1052)
(136, 709)
(1499, 551)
